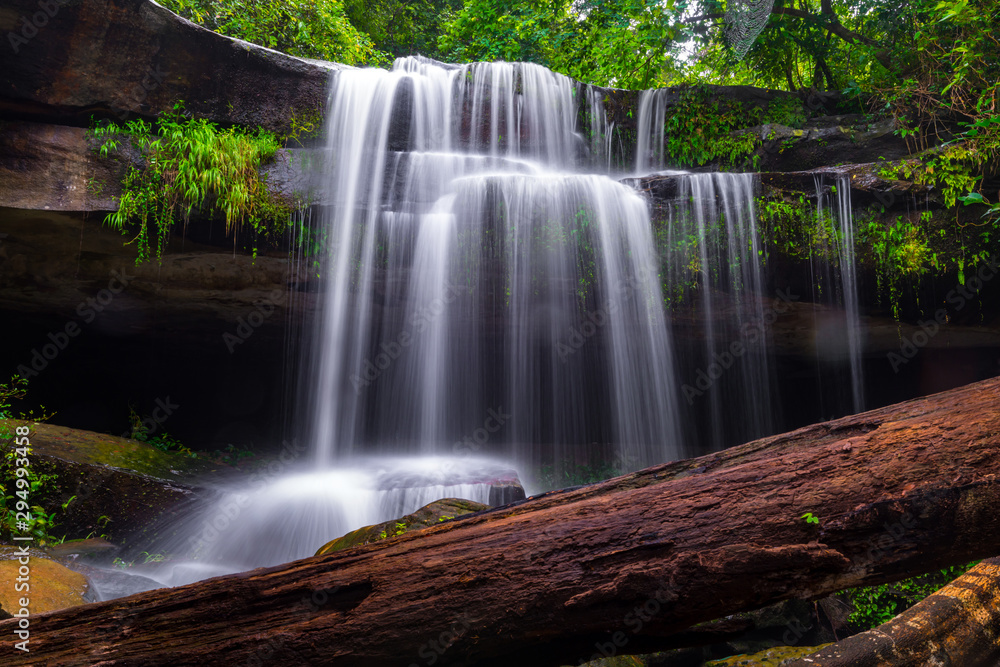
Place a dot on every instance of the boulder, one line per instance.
(120, 485)
(772, 657)
(51, 586)
(124, 57)
(828, 140)
(428, 515)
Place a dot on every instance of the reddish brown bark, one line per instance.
(617, 566)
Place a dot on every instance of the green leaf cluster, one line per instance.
(191, 165)
(307, 28)
(26, 493)
(162, 441)
(875, 605)
(700, 130)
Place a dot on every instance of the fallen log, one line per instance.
(958, 625)
(614, 567)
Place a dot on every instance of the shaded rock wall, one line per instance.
(121, 57)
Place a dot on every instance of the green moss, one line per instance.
(425, 517)
(771, 657)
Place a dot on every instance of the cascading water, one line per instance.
(601, 131)
(716, 285)
(476, 300)
(839, 337)
(650, 151)
(481, 280)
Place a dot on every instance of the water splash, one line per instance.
(278, 518)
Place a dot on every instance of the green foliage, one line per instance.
(30, 492)
(900, 250)
(507, 30)
(609, 42)
(786, 111)
(308, 28)
(794, 228)
(162, 441)
(875, 605)
(950, 92)
(570, 474)
(700, 130)
(810, 518)
(402, 28)
(236, 457)
(191, 165)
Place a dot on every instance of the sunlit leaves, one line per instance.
(308, 28)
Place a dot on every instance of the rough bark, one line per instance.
(610, 567)
(958, 625)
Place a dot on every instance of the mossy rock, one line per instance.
(51, 586)
(771, 657)
(428, 515)
(87, 447)
(113, 486)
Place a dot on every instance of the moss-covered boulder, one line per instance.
(51, 586)
(426, 516)
(113, 486)
(772, 657)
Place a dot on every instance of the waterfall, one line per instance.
(466, 276)
(650, 152)
(600, 130)
(716, 283)
(844, 342)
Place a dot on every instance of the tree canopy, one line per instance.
(934, 65)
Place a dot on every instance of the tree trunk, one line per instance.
(958, 625)
(614, 567)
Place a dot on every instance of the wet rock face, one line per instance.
(121, 57)
(828, 140)
(51, 167)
